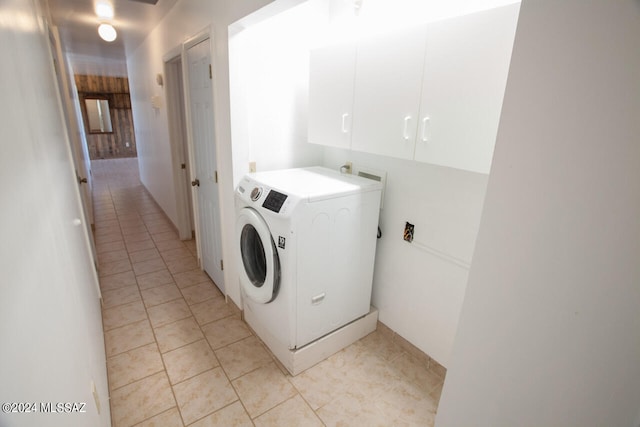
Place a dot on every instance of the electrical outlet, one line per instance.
(408, 232)
(96, 397)
(252, 167)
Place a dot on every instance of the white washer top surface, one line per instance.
(314, 183)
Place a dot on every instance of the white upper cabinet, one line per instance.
(387, 93)
(331, 75)
(465, 73)
(432, 93)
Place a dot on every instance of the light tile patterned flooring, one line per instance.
(179, 355)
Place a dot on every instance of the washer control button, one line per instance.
(256, 193)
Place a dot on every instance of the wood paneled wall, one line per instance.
(116, 90)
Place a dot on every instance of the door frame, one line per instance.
(206, 33)
(179, 141)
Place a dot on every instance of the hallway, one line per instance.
(178, 355)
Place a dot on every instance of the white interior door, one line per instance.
(204, 155)
(79, 150)
(176, 115)
(185, 151)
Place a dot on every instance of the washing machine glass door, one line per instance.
(260, 265)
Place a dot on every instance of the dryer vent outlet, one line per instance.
(408, 232)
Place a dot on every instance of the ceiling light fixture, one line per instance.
(104, 10)
(107, 32)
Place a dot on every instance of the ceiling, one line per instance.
(77, 24)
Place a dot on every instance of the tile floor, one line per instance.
(179, 355)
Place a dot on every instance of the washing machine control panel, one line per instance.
(274, 201)
(263, 197)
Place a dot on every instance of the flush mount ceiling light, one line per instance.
(107, 32)
(104, 10)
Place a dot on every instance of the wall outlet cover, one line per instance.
(96, 397)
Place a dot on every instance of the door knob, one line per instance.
(195, 182)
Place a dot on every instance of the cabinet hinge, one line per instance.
(183, 166)
(221, 265)
(210, 72)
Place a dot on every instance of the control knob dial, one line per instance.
(256, 193)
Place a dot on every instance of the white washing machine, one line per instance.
(306, 242)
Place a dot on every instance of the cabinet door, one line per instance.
(387, 93)
(465, 74)
(331, 75)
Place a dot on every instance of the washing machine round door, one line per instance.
(259, 262)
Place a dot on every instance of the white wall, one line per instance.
(186, 19)
(269, 89)
(550, 327)
(50, 322)
(419, 287)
